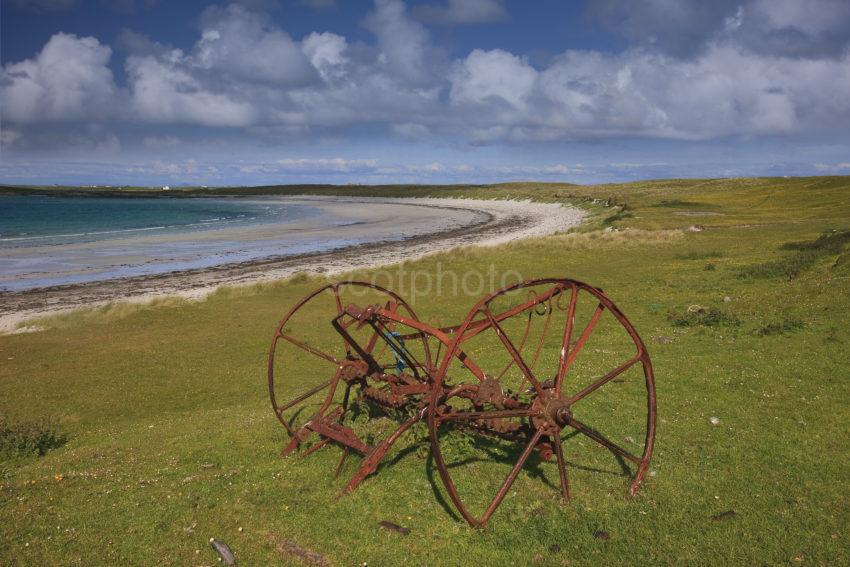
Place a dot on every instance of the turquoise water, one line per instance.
(42, 220)
(48, 241)
(56, 241)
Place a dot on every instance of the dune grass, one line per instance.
(171, 441)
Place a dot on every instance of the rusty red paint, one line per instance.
(418, 388)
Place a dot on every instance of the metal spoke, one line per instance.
(573, 354)
(543, 334)
(302, 397)
(512, 350)
(562, 466)
(512, 476)
(601, 439)
(476, 327)
(310, 349)
(521, 345)
(568, 336)
(605, 379)
(400, 379)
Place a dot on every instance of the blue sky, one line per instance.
(431, 91)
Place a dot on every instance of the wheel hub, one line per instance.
(553, 412)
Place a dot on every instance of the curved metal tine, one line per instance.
(513, 352)
(548, 309)
(605, 379)
(562, 466)
(601, 439)
(567, 338)
(481, 325)
(503, 490)
(312, 350)
(521, 347)
(568, 356)
(543, 334)
(439, 346)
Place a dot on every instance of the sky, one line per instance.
(253, 92)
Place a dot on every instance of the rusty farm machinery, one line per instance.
(516, 380)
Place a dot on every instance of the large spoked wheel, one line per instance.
(530, 367)
(313, 371)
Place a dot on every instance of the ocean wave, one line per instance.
(73, 234)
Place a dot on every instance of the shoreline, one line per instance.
(503, 221)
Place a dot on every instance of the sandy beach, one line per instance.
(391, 231)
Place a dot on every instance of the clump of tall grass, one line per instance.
(111, 311)
(780, 328)
(623, 213)
(29, 438)
(601, 238)
(804, 255)
(696, 316)
(830, 242)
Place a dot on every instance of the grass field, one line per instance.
(170, 439)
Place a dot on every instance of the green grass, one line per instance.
(804, 255)
(697, 316)
(171, 441)
(30, 438)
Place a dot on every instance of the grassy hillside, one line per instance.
(170, 439)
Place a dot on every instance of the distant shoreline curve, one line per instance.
(503, 221)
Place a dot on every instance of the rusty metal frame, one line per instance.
(425, 394)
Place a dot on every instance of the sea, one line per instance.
(56, 240)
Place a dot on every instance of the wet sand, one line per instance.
(426, 226)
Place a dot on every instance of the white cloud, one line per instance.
(188, 169)
(411, 131)
(684, 28)
(160, 142)
(211, 86)
(242, 44)
(68, 80)
(492, 77)
(833, 167)
(795, 28)
(337, 165)
(163, 91)
(326, 52)
(726, 91)
(403, 43)
(9, 137)
(243, 72)
(461, 12)
(66, 139)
